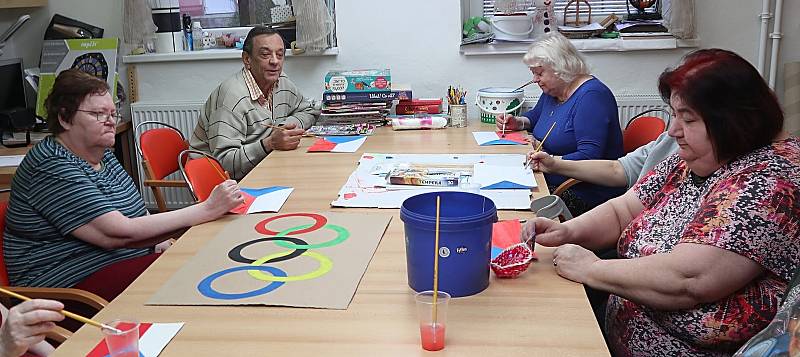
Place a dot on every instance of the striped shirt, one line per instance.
(232, 123)
(53, 193)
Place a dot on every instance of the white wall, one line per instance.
(421, 48)
(27, 43)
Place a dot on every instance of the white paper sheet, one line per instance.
(349, 146)
(270, 202)
(365, 187)
(157, 337)
(483, 137)
(503, 177)
(11, 160)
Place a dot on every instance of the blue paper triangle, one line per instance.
(342, 139)
(505, 185)
(496, 251)
(255, 192)
(501, 142)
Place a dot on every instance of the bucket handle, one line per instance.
(496, 112)
(526, 33)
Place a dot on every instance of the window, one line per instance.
(217, 14)
(600, 8)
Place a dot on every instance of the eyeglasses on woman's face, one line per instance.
(103, 117)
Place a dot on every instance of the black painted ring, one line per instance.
(235, 253)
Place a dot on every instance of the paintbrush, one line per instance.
(224, 175)
(539, 147)
(524, 85)
(274, 126)
(66, 313)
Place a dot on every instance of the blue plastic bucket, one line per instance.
(465, 239)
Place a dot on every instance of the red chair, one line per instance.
(158, 149)
(202, 173)
(59, 334)
(642, 130)
(639, 131)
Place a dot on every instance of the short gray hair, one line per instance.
(555, 51)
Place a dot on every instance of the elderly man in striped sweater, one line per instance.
(238, 123)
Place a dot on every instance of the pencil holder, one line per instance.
(458, 115)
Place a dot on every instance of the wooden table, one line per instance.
(538, 314)
(7, 172)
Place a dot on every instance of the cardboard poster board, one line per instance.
(292, 259)
(96, 56)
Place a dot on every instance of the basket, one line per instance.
(493, 101)
(514, 27)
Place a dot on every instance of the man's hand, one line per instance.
(287, 138)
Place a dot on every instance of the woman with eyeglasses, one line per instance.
(581, 111)
(75, 218)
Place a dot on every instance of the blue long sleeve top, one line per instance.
(587, 127)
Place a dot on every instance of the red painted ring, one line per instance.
(261, 227)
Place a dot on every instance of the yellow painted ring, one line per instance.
(325, 265)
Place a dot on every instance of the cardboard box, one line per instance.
(364, 80)
(401, 93)
(97, 57)
(422, 105)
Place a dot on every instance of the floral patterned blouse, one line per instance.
(750, 206)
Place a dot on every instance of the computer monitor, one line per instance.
(12, 84)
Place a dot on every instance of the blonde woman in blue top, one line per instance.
(581, 108)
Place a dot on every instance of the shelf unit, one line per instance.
(5, 4)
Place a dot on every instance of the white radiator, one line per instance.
(182, 115)
(627, 105)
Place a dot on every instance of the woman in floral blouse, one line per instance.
(711, 235)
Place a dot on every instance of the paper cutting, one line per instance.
(485, 138)
(268, 199)
(337, 144)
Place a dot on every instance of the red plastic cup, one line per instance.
(432, 328)
(123, 343)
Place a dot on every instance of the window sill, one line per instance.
(622, 44)
(211, 54)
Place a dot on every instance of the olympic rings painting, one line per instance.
(256, 268)
(293, 259)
